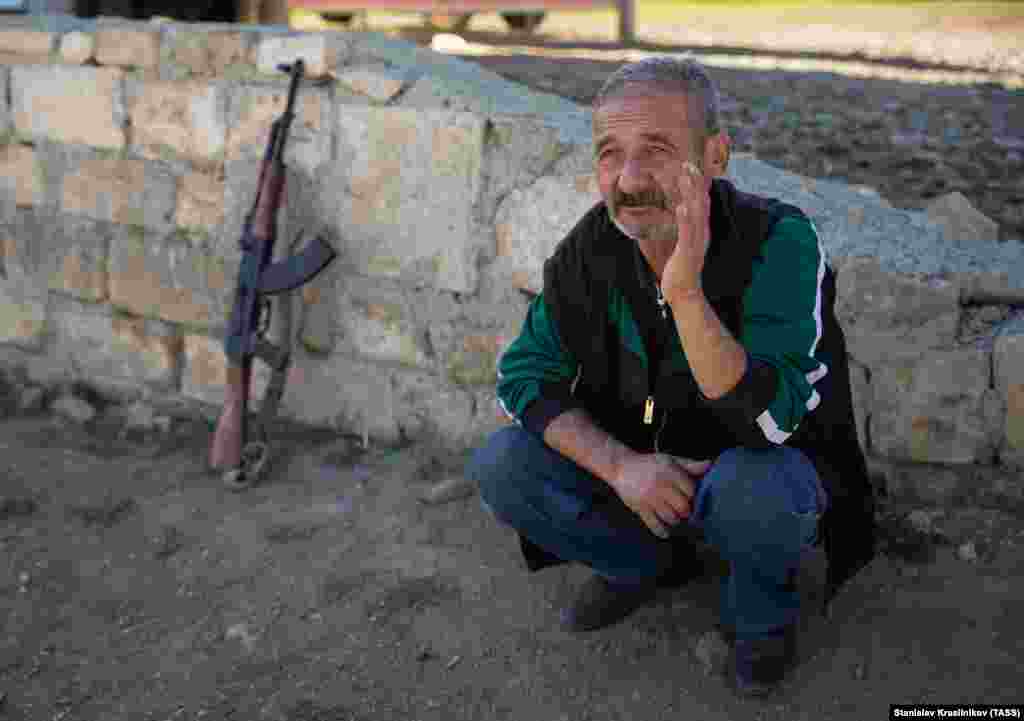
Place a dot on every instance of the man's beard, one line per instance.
(657, 232)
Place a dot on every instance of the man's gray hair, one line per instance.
(668, 74)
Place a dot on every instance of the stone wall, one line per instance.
(130, 156)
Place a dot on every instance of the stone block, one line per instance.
(517, 151)
(428, 408)
(531, 221)
(381, 84)
(163, 277)
(127, 47)
(21, 180)
(342, 393)
(23, 247)
(127, 191)
(935, 408)
(377, 324)
(185, 119)
(102, 344)
(321, 52)
(403, 192)
(193, 53)
(469, 359)
(255, 109)
(77, 48)
(885, 313)
(26, 42)
(5, 110)
(200, 201)
(204, 376)
(1008, 368)
(67, 254)
(860, 390)
(960, 221)
(75, 260)
(69, 104)
(54, 163)
(22, 319)
(319, 324)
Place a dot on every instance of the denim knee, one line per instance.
(492, 467)
(768, 496)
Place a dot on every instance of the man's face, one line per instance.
(641, 140)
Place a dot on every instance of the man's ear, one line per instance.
(716, 154)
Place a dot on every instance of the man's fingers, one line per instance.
(679, 503)
(652, 522)
(684, 487)
(667, 515)
(695, 468)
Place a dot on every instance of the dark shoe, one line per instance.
(762, 663)
(600, 603)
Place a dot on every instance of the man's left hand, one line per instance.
(681, 276)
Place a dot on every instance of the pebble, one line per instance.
(967, 552)
(24, 579)
(923, 521)
(31, 399)
(450, 489)
(712, 652)
(241, 632)
(74, 409)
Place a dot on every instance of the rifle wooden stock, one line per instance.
(229, 438)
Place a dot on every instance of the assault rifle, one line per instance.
(241, 460)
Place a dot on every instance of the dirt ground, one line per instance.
(134, 587)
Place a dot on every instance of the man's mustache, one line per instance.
(645, 198)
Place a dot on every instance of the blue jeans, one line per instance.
(758, 508)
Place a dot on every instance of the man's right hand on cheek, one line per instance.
(659, 488)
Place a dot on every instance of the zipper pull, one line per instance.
(661, 303)
(649, 411)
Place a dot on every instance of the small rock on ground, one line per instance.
(967, 552)
(74, 409)
(712, 652)
(923, 521)
(31, 399)
(450, 489)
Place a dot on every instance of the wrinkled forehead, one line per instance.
(646, 106)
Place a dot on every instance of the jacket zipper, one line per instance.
(652, 372)
(652, 379)
(664, 417)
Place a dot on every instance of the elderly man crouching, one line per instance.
(682, 373)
